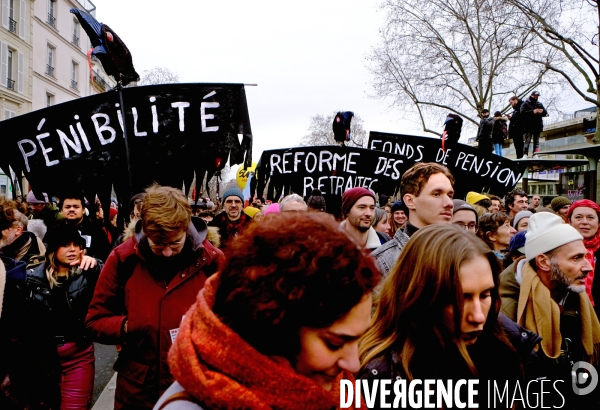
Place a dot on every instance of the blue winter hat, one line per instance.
(397, 206)
(517, 242)
(233, 192)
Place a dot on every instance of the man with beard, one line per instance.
(232, 221)
(358, 209)
(427, 193)
(549, 290)
(146, 286)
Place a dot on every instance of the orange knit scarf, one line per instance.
(221, 370)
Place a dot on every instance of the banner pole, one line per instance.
(120, 88)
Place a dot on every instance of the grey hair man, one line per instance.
(292, 202)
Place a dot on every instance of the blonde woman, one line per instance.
(58, 293)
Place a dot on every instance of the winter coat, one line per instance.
(32, 362)
(516, 127)
(532, 122)
(229, 230)
(27, 248)
(132, 287)
(486, 126)
(493, 360)
(50, 215)
(498, 133)
(387, 254)
(79, 290)
(509, 290)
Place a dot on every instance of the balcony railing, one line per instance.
(10, 84)
(74, 84)
(12, 25)
(101, 81)
(75, 40)
(51, 20)
(49, 70)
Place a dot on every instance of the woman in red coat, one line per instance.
(145, 289)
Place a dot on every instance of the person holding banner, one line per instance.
(278, 326)
(427, 189)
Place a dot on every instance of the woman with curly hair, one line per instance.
(437, 316)
(495, 230)
(278, 326)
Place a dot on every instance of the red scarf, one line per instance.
(592, 244)
(216, 366)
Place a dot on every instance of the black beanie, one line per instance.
(316, 200)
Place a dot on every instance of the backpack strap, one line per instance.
(181, 395)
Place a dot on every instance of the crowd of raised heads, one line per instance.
(236, 303)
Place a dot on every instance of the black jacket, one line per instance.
(78, 291)
(532, 122)
(486, 126)
(97, 244)
(515, 128)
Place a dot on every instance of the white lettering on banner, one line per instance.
(100, 129)
(135, 124)
(204, 116)
(26, 155)
(75, 139)
(181, 106)
(404, 149)
(75, 144)
(336, 184)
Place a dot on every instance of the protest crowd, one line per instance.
(270, 305)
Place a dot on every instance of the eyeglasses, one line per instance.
(469, 227)
(172, 245)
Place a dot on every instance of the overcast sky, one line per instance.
(307, 57)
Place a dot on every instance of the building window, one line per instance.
(51, 13)
(10, 82)
(12, 23)
(50, 61)
(75, 39)
(49, 99)
(74, 71)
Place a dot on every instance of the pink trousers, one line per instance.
(77, 380)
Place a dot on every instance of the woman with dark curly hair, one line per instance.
(495, 230)
(278, 326)
(437, 316)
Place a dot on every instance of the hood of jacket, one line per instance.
(197, 232)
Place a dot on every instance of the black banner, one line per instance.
(334, 169)
(174, 131)
(473, 169)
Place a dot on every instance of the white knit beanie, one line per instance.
(547, 231)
